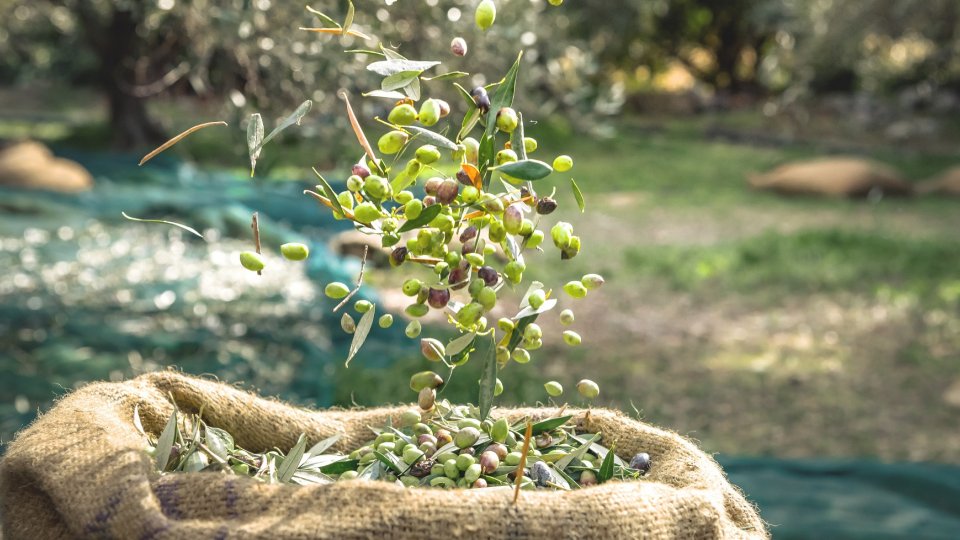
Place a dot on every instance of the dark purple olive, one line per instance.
(546, 206)
(640, 462)
(361, 170)
(481, 98)
(488, 275)
(398, 255)
(468, 234)
(422, 468)
(438, 298)
(432, 185)
(464, 178)
(447, 192)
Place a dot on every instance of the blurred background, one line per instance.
(770, 193)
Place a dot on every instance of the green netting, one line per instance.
(847, 499)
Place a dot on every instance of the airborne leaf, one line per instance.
(351, 11)
(165, 222)
(460, 344)
(294, 118)
(577, 195)
(177, 139)
(254, 139)
(360, 334)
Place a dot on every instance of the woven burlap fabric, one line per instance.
(81, 471)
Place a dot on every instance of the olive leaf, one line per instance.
(503, 96)
(571, 483)
(218, 441)
(165, 222)
(469, 122)
(360, 334)
(447, 76)
(413, 89)
(432, 137)
(399, 80)
(485, 154)
(601, 452)
(294, 118)
(466, 96)
(566, 460)
(136, 420)
(517, 334)
(390, 460)
(348, 21)
(291, 463)
(526, 169)
(550, 424)
(426, 216)
(577, 194)
(165, 443)
(388, 94)
(324, 17)
(177, 139)
(340, 466)
(324, 445)
(329, 192)
(393, 66)
(488, 379)
(606, 468)
(254, 139)
(460, 344)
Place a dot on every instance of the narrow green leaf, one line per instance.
(485, 155)
(393, 66)
(341, 466)
(469, 122)
(399, 80)
(606, 468)
(348, 22)
(517, 333)
(291, 463)
(566, 460)
(329, 192)
(360, 334)
(254, 139)
(391, 54)
(550, 424)
(571, 483)
(460, 344)
(218, 441)
(165, 442)
(527, 169)
(389, 460)
(503, 96)
(447, 76)
(372, 472)
(182, 226)
(602, 452)
(364, 51)
(324, 445)
(426, 216)
(577, 194)
(488, 379)
(466, 96)
(432, 137)
(324, 17)
(516, 139)
(388, 94)
(294, 118)
(137, 423)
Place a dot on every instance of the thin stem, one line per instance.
(255, 225)
(363, 264)
(523, 460)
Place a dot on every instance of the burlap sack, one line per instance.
(80, 471)
(947, 183)
(832, 177)
(31, 165)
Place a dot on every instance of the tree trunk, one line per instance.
(130, 123)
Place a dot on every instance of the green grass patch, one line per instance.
(815, 261)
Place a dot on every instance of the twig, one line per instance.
(523, 460)
(363, 264)
(255, 225)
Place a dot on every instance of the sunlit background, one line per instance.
(808, 334)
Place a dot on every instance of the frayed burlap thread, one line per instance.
(81, 471)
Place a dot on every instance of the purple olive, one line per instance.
(488, 275)
(438, 298)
